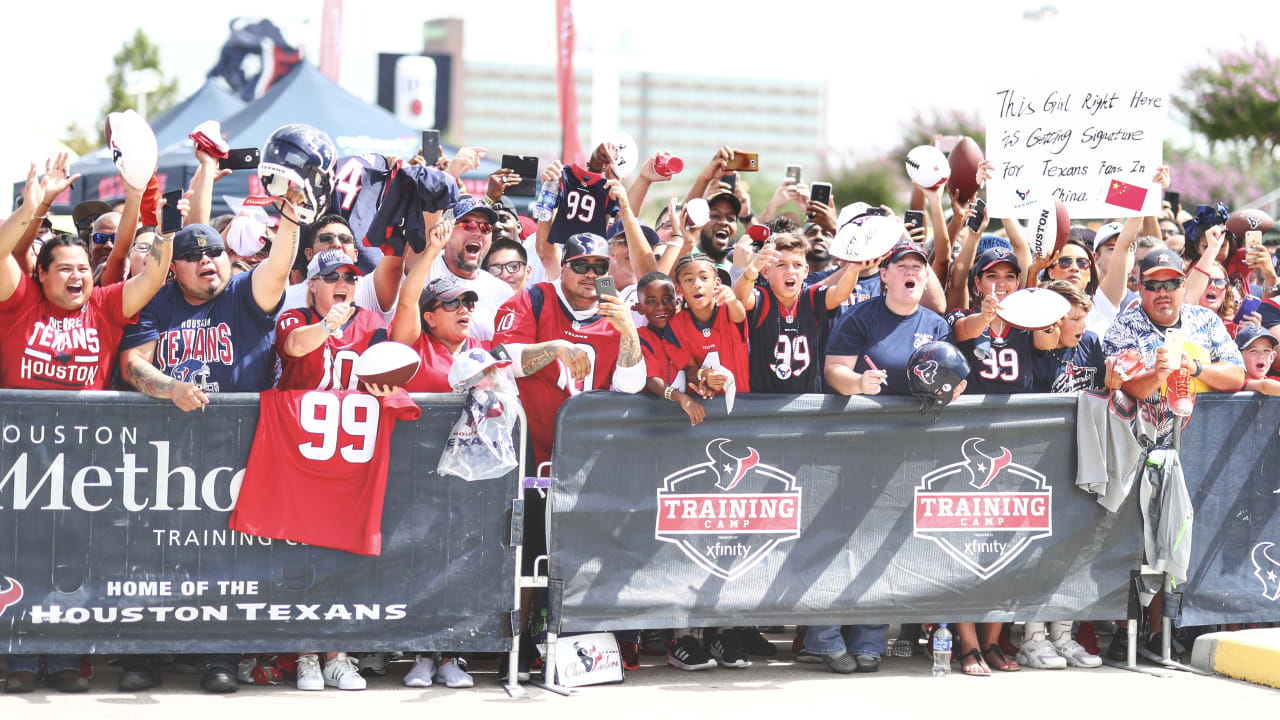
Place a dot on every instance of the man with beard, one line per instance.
(468, 244)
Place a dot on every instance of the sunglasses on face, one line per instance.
(1158, 285)
(582, 267)
(1064, 263)
(195, 255)
(99, 238)
(333, 277)
(338, 238)
(474, 225)
(142, 247)
(511, 268)
(1218, 282)
(453, 305)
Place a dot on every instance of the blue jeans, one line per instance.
(861, 640)
(52, 663)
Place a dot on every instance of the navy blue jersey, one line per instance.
(224, 345)
(786, 347)
(1008, 368)
(1067, 370)
(583, 205)
(1270, 312)
(359, 182)
(871, 329)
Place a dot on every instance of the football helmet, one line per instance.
(299, 156)
(934, 372)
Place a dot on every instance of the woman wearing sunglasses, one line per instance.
(434, 318)
(1074, 264)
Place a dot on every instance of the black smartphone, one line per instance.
(730, 180)
(170, 218)
(877, 211)
(820, 192)
(793, 172)
(605, 288)
(526, 166)
(431, 146)
(914, 218)
(1175, 200)
(240, 159)
(979, 208)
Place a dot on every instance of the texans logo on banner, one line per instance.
(726, 514)
(1265, 567)
(985, 510)
(10, 595)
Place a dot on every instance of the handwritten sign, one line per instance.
(1095, 149)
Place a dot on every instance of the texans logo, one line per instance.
(1022, 194)
(729, 468)
(1253, 222)
(986, 466)
(1267, 570)
(926, 371)
(10, 595)
(115, 153)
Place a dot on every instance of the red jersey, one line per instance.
(537, 315)
(330, 366)
(433, 373)
(317, 470)
(723, 339)
(664, 356)
(47, 348)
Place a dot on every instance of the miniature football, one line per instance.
(964, 161)
(1242, 221)
(927, 166)
(133, 147)
(387, 363)
(1050, 226)
(1033, 308)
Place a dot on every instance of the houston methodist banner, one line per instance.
(814, 508)
(113, 524)
(1230, 456)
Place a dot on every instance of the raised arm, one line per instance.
(113, 266)
(744, 286)
(272, 275)
(11, 233)
(548, 253)
(640, 186)
(207, 173)
(941, 238)
(712, 171)
(642, 260)
(139, 290)
(1116, 281)
(55, 180)
(406, 326)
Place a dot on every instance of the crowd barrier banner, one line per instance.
(1231, 459)
(113, 538)
(824, 509)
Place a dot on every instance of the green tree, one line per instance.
(139, 53)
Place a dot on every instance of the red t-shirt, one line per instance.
(535, 316)
(325, 486)
(724, 337)
(43, 347)
(330, 366)
(433, 373)
(664, 356)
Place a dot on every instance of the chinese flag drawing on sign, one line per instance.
(1129, 197)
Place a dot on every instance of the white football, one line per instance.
(1033, 308)
(927, 166)
(866, 238)
(388, 363)
(628, 154)
(133, 147)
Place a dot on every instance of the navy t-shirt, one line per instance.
(224, 345)
(1007, 369)
(1270, 312)
(1067, 370)
(871, 329)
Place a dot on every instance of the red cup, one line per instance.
(759, 233)
(667, 164)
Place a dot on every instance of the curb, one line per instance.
(1251, 655)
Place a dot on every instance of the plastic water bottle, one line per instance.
(546, 201)
(942, 651)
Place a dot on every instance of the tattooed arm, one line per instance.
(139, 290)
(539, 355)
(136, 367)
(271, 277)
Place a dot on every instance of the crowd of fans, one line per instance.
(231, 304)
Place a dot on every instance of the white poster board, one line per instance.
(1097, 149)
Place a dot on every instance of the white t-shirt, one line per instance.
(539, 273)
(490, 294)
(295, 296)
(1104, 313)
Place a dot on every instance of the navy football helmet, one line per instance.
(299, 156)
(934, 372)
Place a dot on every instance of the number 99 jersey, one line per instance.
(786, 347)
(330, 366)
(583, 205)
(1009, 366)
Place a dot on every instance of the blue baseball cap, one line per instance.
(585, 245)
(617, 230)
(195, 237)
(989, 241)
(328, 261)
(469, 204)
(1249, 333)
(994, 256)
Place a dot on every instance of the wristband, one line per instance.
(1199, 369)
(330, 330)
(666, 394)
(1201, 270)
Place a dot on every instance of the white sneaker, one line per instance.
(373, 664)
(453, 676)
(1076, 655)
(1039, 654)
(341, 673)
(309, 677)
(421, 673)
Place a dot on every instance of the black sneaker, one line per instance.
(524, 666)
(654, 642)
(1118, 650)
(842, 663)
(723, 646)
(687, 654)
(753, 643)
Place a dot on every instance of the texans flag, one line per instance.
(1129, 197)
